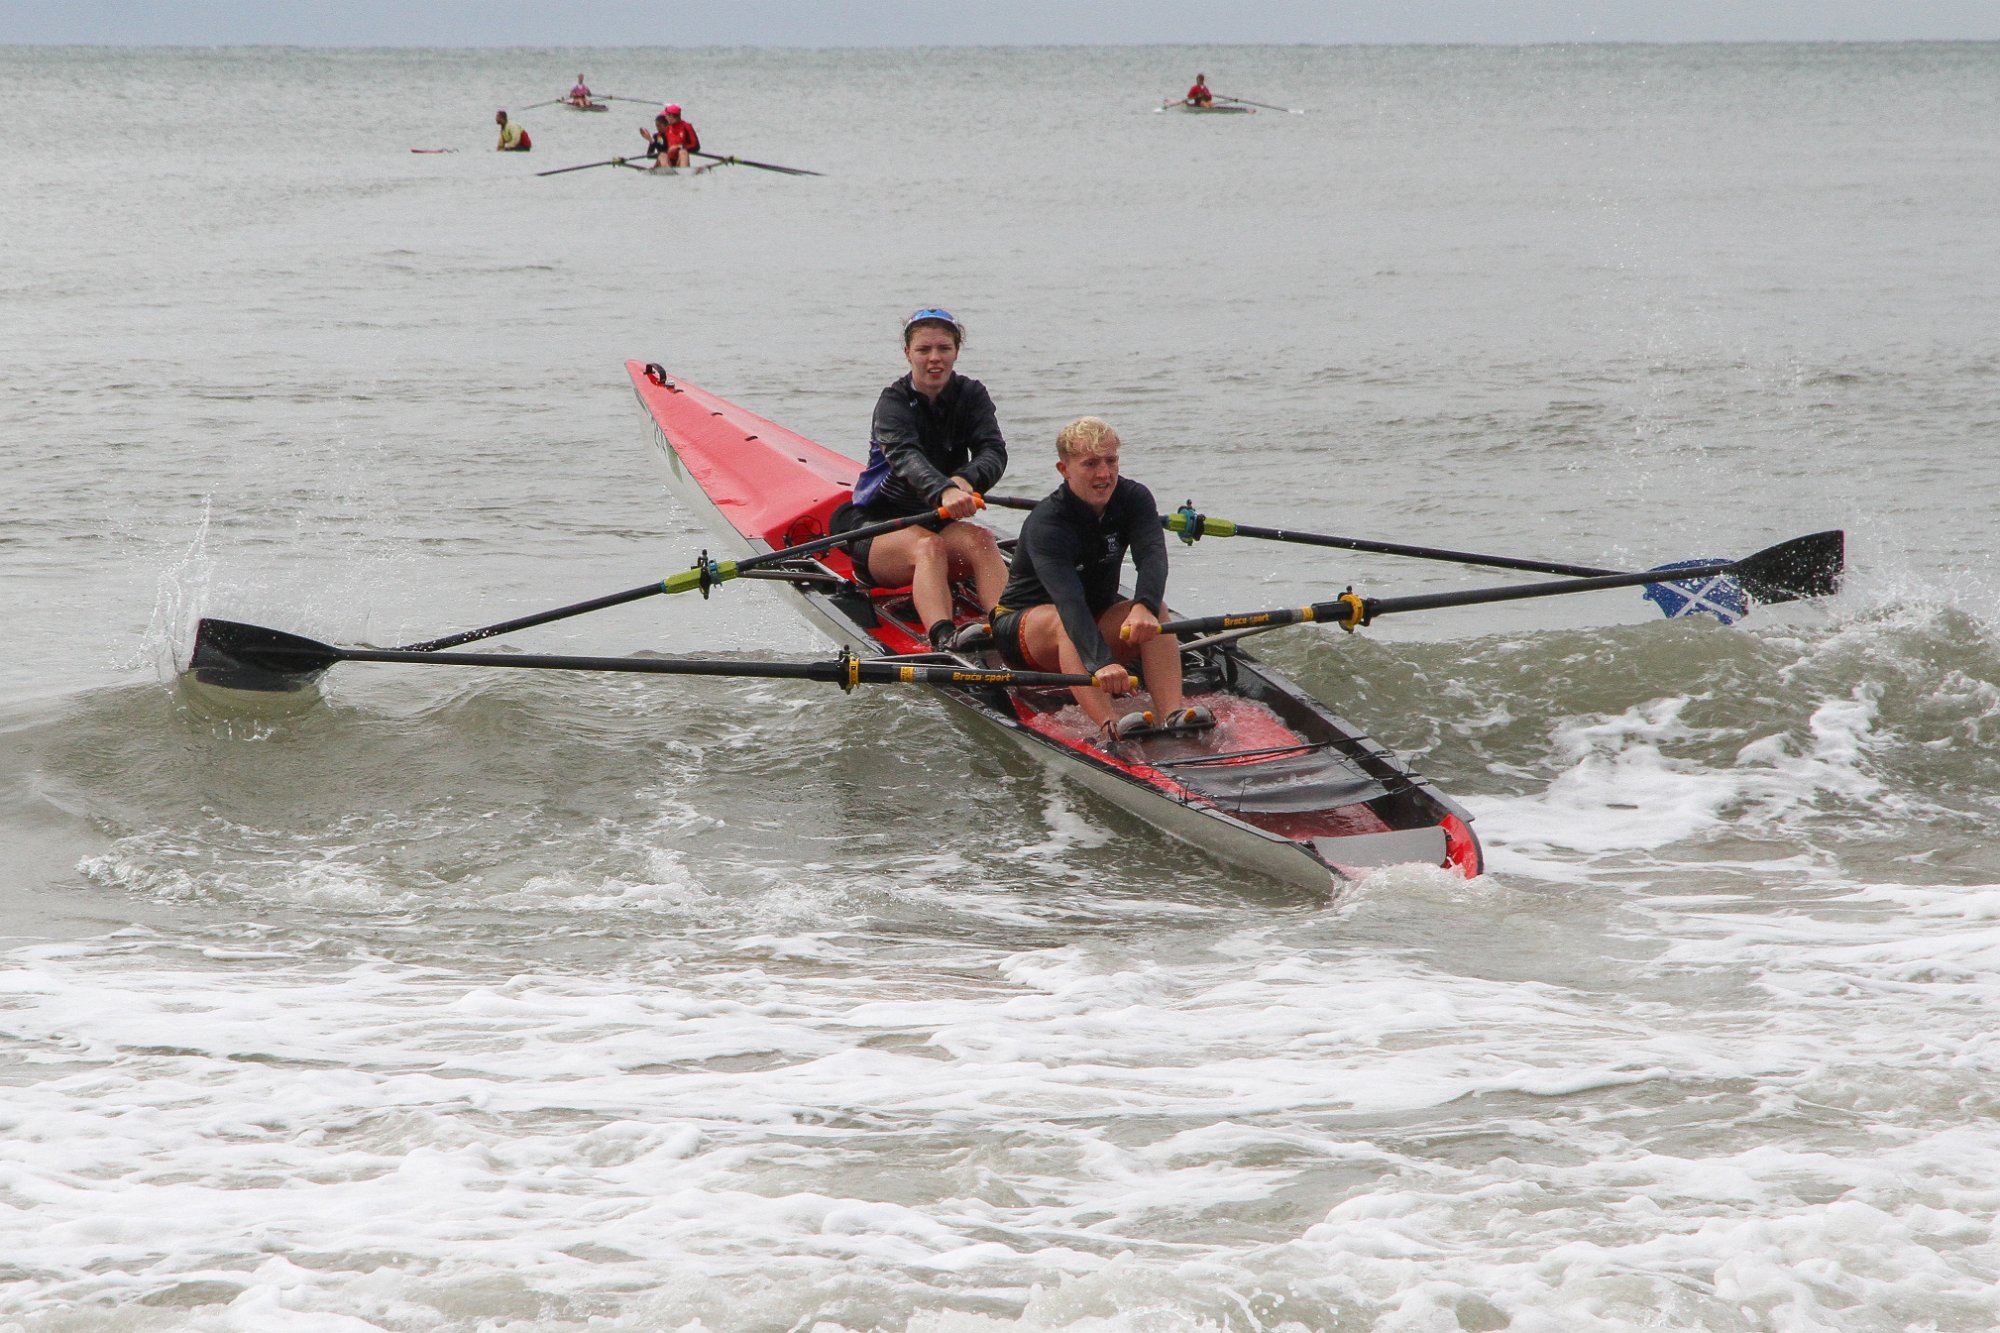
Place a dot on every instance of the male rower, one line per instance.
(1199, 95)
(1061, 610)
(513, 139)
(580, 94)
(672, 139)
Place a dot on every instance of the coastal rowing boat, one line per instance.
(1213, 108)
(1276, 784)
(586, 106)
(1281, 786)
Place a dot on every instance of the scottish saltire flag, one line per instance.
(1715, 595)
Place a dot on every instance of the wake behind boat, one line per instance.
(1280, 786)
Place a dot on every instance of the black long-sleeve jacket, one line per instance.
(1070, 555)
(915, 447)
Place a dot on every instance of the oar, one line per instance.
(1193, 526)
(1291, 110)
(702, 577)
(643, 101)
(250, 657)
(532, 106)
(1808, 566)
(585, 166)
(765, 166)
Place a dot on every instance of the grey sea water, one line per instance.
(448, 1002)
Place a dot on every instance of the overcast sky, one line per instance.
(582, 23)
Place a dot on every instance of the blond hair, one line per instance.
(1085, 435)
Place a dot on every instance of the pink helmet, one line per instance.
(671, 109)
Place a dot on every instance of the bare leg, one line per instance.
(1160, 669)
(1043, 636)
(918, 557)
(976, 555)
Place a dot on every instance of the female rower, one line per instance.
(935, 443)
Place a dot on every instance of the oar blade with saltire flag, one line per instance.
(730, 159)
(251, 657)
(1803, 567)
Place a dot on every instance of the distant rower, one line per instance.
(672, 139)
(580, 94)
(1199, 95)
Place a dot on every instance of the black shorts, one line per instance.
(848, 517)
(1006, 625)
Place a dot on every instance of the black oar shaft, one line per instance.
(539, 618)
(1202, 525)
(747, 162)
(838, 671)
(701, 576)
(1175, 522)
(1808, 566)
(251, 656)
(584, 166)
(1350, 610)
(1434, 601)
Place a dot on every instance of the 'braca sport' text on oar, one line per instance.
(251, 657)
(730, 159)
(705, 575)
(1809, 566)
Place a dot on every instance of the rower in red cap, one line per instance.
(672, 139)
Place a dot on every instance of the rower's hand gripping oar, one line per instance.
(1808, 566)
(252, 657)
(705, 575)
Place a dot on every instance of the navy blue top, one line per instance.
(915, 447)
(1071, 556)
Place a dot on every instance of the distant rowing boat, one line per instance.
(587, 106)
(1214, 108)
